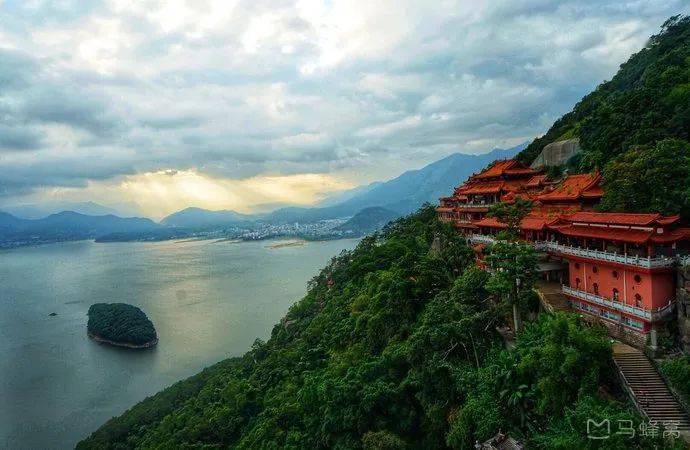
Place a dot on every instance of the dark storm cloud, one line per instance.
(17, 138)
(72, 107)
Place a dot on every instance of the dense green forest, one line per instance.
(395, 346)
(635, 128)
(120, 323)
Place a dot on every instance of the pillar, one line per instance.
(653, 339)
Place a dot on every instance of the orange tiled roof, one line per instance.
(496, 169)
(672, 236)
(520, 171)
(595, 191)
(612, 234)
(620, 218)
(536, 181)
(485, 187)
(528, 223)
(490, 222)
(504, 167)
(571, 187)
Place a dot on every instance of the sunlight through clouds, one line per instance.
(161, 193)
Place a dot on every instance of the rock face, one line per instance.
(557, 153)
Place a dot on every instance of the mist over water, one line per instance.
(208, 301)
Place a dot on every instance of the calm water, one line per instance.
(208, 300)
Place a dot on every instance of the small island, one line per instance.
(122, 325)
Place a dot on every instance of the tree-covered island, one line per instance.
(122, 325)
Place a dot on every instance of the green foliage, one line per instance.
(394, 346)
(121, 323)
(564, 432)
(511, 214)
(382, 440)
(677, 370)
(554, 172)
(513, 272)
(648, 100)
(650, 179)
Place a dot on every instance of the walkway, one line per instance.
(648, 390)
(551, 296)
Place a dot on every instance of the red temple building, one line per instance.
(617, 267)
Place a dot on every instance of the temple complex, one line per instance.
(617, 268)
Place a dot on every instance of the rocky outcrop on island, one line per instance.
(122, 325)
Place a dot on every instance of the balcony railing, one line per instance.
(481, 239)
(473, 206)
(639, 261)
(649, 315)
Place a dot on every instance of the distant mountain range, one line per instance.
(403, 194)
(367, 207)
(66, 225)
(203, 218)
(41, 210)
(367, 221)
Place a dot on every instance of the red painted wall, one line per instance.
(655, 289)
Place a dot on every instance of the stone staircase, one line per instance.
(649, 391)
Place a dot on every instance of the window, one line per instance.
(595, 288)
(615, 274)
(633, 323)
(638, 300)
(577, 265)
(615, 294)
(595, 269)
(638, 279)
(610, 315)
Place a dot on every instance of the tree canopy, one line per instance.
(394, 346)
(654, 179)
(120, 323)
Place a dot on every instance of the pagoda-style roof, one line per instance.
(608, 218)
(611, 234)
(536, 181)
(530, 223)
(504, 167)
(485, 187)
(573, 187)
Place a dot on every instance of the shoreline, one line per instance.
(101, 340)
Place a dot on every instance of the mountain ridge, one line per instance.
(402, 194)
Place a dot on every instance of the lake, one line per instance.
(208, 300)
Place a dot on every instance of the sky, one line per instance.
(245, 105)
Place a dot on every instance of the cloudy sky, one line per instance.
(240, 104)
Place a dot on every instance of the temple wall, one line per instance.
(630, 337)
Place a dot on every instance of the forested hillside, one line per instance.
(394, 346)
(646, 101)
(635, 128)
